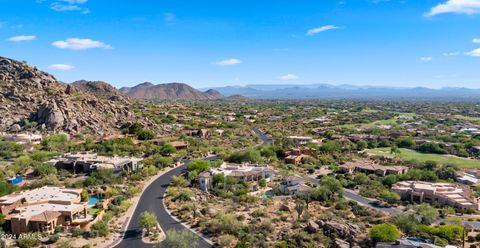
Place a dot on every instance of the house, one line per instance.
(357, 137)
(179, 145)
(292, 185)
(228, 118)
(296, 155)
(408, 243)
(241, 172)
(24, 138)
(471, 130)
(201, 133)
(87, 162)
(302, 140)
(370, 167)
(43, 209)
(470, 176)
(443, 193)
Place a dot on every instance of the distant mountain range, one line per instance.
(174, 91)
(327, 91)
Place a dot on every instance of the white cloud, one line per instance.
(80, 44)
(289, 76)
(75, 1)
(62, 8)
(227, 62)
(426, 59)
(22, 38)
(169, 17)
(61, 67)
(476, 40)
(451, 54)
(468, 7)
(317, 30)
(69, 5)
(474, 53)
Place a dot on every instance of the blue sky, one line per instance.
(205, 43)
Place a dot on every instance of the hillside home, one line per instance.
(296, 155)
(201, 133)
(371, 167)
(241, 172)
(23, 138)
(443, 193)
(292, 185)
(470, 176)
(43, 209)
(302, 140)
(87, 162)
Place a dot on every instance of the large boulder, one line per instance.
(50, 115)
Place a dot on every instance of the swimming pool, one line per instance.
(268, 194)
(92, 200)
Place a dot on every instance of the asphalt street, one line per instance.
(152, 200)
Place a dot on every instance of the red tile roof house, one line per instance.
(369, 167)
(43, 209)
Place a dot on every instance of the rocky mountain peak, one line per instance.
(33, 99)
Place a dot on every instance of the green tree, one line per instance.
(56, 142)
(28, 241)
(179, 239)
(167, 149)
(427, 213)
(148, 220)
(262, 183)
(134, 128)
(144, 134)
(99, 229)
(267, 152)
(84, 196)
(330, 147)
(386, 232)
(198, 166)
(405, 142)
(45, 169)
(406, 222)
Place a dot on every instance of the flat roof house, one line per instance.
(87, 162)
(444, 193)
(292, 185)
(296, 155)
(369, 167)
(42, 209)
(241, 172)
(302, 140)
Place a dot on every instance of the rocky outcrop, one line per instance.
(32, 99)
(101, 90)
(346, 231)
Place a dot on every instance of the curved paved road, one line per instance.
(266, 140)
(152, 200)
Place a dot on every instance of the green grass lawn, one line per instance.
(468, 118)
(407, 154)
(392, 122)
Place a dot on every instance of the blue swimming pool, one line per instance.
(268, 194)
(92, 200)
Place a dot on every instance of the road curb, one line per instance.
(183, 224)
(127, 223)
